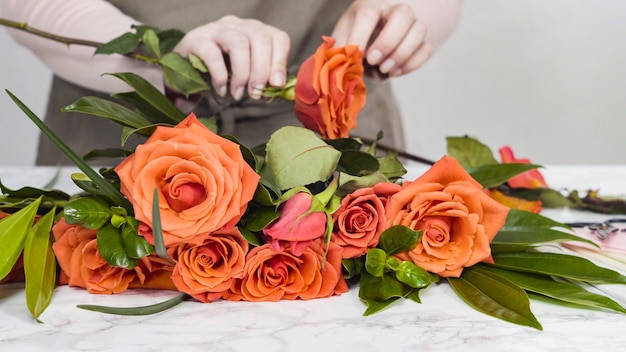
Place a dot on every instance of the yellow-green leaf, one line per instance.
(40, 266)
(13, 232)
(297, 157)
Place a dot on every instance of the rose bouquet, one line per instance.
(305, 216)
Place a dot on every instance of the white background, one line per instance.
(546, 77)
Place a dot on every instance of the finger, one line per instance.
(415, 61)
(398, 25)
(407, 47)
(364, 22)
(237, 46)
(260, 61)
(341, 32)
(211, 54)
(280, 52)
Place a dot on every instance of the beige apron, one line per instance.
(251, 121)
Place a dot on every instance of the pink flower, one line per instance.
(296, 224)
(528, 179)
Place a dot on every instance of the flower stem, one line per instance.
(23, 26)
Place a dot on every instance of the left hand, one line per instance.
(391, 36)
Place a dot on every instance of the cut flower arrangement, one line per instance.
(307, 215)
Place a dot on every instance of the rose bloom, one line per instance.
(330, 90)
(271, 275)
(457, 218)
(294, 227)
(76, 250)
(203, 181)
(206, 270)
(529, 179)
(361, 218)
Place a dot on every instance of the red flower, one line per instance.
(528, 179)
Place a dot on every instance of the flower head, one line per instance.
(457, 218)
(203, 181)
(330, 90)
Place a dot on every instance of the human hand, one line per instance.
(391, 36)
(257, 54)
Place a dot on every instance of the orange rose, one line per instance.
(207, 270)
(330, 90)
(203, 181)
(457, 218)
(76, 250)
(271, 275)
(360, 219)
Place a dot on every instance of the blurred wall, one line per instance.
(547, 77)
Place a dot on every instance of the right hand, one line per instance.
(257, 53)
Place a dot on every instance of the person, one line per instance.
(263, 40)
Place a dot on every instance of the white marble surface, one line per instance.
(442, 322)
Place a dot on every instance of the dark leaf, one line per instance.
(112, 249)
(109, 110)
(469, 152)
(375, 261)
(136, 246)
(398, 239)
(124, 44)
(88, 212)
(494, 296)
(493, 175)
(356, 163)
(181, 75)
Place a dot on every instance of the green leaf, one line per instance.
(157, 230)
(258, 219)
(412, 275)
(250, 236)
(296, 156)
(152, 95)
(398, 239)
(124, 44)
(559, 290)
(112, 249)
(40, 266)
(181, 75)
(343, 144)
(559, 265)
(109, 110)
(89, 212)
(494, 175)
(523, 228)
(381, 288)
(391, 167)
(549, 198)
(135, 246)
(150, 42)
(113, 193)
(107, 153)
(469, 152)
(352, 267)
(494, 296)
(145, 310)
(31, 192)
(356, 163)
(375, 261)
(13, 232)
(169, 38)
(198, 64)
(374, 306)
(144, 109)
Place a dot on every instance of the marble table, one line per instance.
(442, 322)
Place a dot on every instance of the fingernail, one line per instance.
(374, 57)
(278, 79)
(221, 91)
(386, 66)
(238, 93)
(257, 91)
(396, 72)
